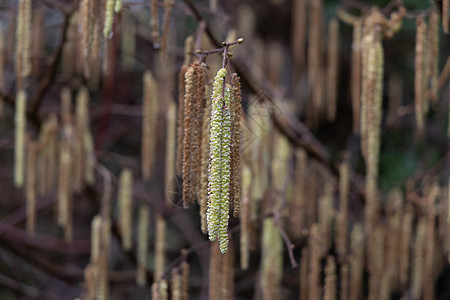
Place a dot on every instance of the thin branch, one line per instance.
(289, 245)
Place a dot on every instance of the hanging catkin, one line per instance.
(160, 246)
(109, 18)
(204, 162)
(356, 75)
(429, 246)
(271, 260)
(235, 172)
(81, 127)
(171, 130)
(154, 21)
(142, 245)
(118, 6)
(433, 55)
(297, 211)
(175, 290)
(356, 261)
(342, 216)
(333, 69)
(314, 248)
(194, 101)
(31, 186)
(185, 269)
(420, 101)
(180, 119)
(330, 280)
(125, 207)
(19, 138)
(405, 241)
(23, 42)
(304, 274)
(215, 157)
(418, 260)
(343, 288)
(149, 122)
(168, 4)
(245, 217)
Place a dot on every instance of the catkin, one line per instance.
(418, 260)
(118, 6)
(194, 102)
(125, 207)
(154, 21)
(333, 69)
(297, 209)
(185, 269)
(128, 42)
(445, 16)
(180, 120)
(245, 217)
(160, 246)
(304, 274)
(175, 291)
(166, 25)
(356, 75)
(356, 261)
(170, 148)
(343, 289)
(23, 42)
(405, 241)
(142, 245)
(109, 18)
(149, 122)
(314, 248)
(204, 163)
(31, 186)
(215, 156)
(420, 101)
(235, 161)
(81, 127)
(330, 280)
(341, 221)
(271, 260)
(433, 55)
(19, 140)
(429, 245)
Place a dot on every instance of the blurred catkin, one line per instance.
(330, 289)
(32, 151)
(356, 75)
(160, 246)
(433, 55)
(125, 207)
(171, 129)
(245, 217)
(333, 69)
(356, 261)
(142, 245)
(271, 260)
(19, 138)
(420, 86)
(235, 161)
(149, 122)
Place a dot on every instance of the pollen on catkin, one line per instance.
(215, 156)
(236, 113)
(109, 18)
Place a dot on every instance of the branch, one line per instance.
(289, 245)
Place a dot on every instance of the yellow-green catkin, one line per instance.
(171, 128)
(142, 245)
(109, 18)
(128, 41)
(215, 171)
(125, 207)
(160, 246)
(19, 139)
(31, 186)
(149, 121)
(333, 69)
(245, 217)
(330, 289)
(271, 260)
(420, 83)
(118, 6)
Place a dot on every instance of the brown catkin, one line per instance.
(81, 127)
(235, 173)
(393, 210)
(330, 280)
(356, 75)
(125, 207)
(420, 101)
(160, 246)
(446, 15)
(418, 260)
(326, 217)
(297, 205)
(304, 274)
(149, 122)
(333, 69)
(180, 120)
(343, 288)
(341, 218)
(170, 150)
(245, 217)
(142, 245)
(194, 102)
(433, 55)
(23, 42)
(356, 261)
(314, 244)
(405, 241)
(154, 21)
(19, 138)
(429, 247)
(168, 4)
(299, 35)
(31, 186)
(204, 162)
(185, 269)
